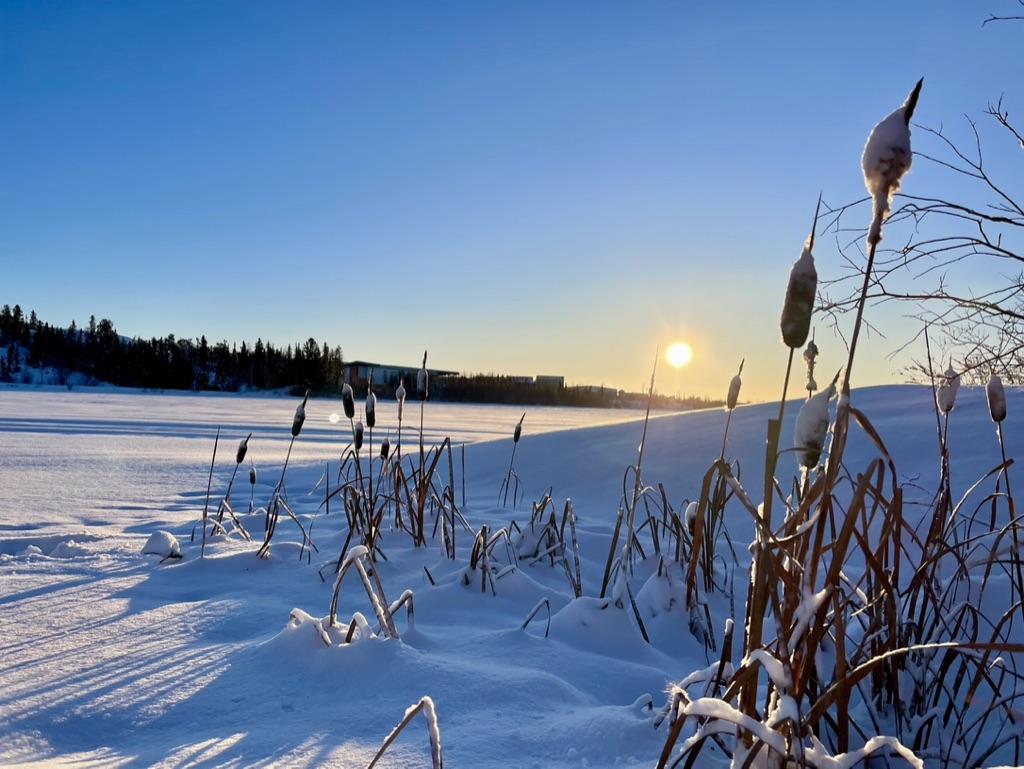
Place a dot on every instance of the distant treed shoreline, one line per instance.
(33, 351)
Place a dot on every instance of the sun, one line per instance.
(679, 354)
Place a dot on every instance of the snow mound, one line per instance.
(162, 543)
(68, 548)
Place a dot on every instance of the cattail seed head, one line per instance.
(358, 435)
(243, 447)
(371, 409)
(385, 448)
(886, 160)
(348, 400)
(996, 398)
(252, 475)
(400, 397)
(945, 396)
(691, 517)
(810, 353)
(300, 416)
(421, 379)
(801, 292)
(812, 427)
(518, 432)
(733, 396)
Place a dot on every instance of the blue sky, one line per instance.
(521, 187)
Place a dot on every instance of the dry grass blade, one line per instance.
(426, 706)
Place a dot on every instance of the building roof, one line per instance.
(371, 364)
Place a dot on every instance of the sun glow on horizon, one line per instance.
(679, 354)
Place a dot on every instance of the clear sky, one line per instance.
(521, 187)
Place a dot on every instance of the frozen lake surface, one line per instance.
(111, 658)
(91, 456)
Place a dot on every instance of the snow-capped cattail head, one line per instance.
(800, 294)
(733, 396)
(243, 447)
(887, 159)
(945, 396)
(385, 448)
(252, 475)
(300, 416)
(518, 432)
(812, 426)
(348, 400)
(691, 517)
(371, 409)
(357, 435)
(421, 379)
(996, 398)
(400, 397)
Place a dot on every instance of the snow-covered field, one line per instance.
(109, 657)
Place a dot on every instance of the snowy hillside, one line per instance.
(111, 657)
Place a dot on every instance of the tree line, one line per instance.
(97, 353)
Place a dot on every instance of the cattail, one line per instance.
(358, 435)
(887, 159)
(996, 398)
(691, 517)
(300, 416)
(518, 432)
(371, 409)
(812, 426)
(385, 448)
(243, 447)
(400, 397)
(348, 400)
(252, 475)
(421, 379)
(810, 353)
(945, 396)
(810, 356)
(734, 389)
(800, 294)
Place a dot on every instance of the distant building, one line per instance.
(555, 382)
(357, 373)
(598, 389)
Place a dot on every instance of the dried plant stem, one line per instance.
(858, 321)
(437, 761)
(209, 483)
(637, 482)
(725, 434)
(508, 477)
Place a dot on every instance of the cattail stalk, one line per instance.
(252, 484)
(516, 434)
(732, 398)
(209, 482)
(270, 520)
(400, 397)
(631, 512)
